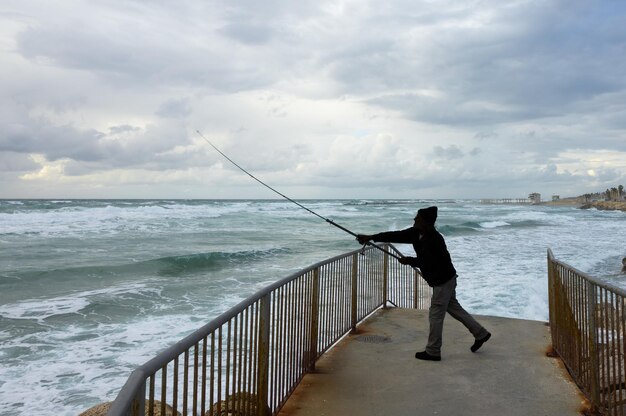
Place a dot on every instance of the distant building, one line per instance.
(535, 198)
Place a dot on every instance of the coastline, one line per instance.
(599, 205)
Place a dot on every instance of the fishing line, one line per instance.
(331, 222)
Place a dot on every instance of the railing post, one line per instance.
(416, 291)
(385, 278)
(139, 403)
(552, 300)
(354, 306)
(263, 357)
(315, 296)
(593, 345)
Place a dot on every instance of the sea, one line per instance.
(91, 289)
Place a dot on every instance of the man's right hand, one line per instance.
(363, 238)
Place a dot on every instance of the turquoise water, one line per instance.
(89, 289)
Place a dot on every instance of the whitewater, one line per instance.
(90, 289)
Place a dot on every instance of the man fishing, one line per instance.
(433, 260)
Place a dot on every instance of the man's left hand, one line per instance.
(363, 238)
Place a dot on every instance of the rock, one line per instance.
(609, 205)
(239, 404)
(102, 409)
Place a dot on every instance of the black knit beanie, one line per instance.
(428, 214)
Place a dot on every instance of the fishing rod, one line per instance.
(331, 222)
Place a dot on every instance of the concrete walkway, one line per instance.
(374, 372)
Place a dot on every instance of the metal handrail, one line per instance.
(251, 357)
(587, 323)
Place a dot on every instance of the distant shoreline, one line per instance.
(599, 205)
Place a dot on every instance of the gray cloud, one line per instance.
(174, 109)
(448, 153)
(529, 61)
(16, 163)
(123, 129)
(129, 51)
(34, 136)
(123, 146)
(319, 94)
(253, 34)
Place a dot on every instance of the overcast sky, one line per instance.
(320, 99)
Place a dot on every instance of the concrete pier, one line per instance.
(374, 372)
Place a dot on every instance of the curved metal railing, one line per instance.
(587, 323)
(251, 358)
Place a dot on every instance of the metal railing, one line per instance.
(587, 323)
(250, 359)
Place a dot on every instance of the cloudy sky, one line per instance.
(320, 99)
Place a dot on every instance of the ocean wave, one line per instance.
(108, 217)
(44, 308)
(494, 224)
(178, 265)
(483, 226)
(459, 229)
(377, 202)
(193, 263)
(391, 202)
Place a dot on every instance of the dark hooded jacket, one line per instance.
(433, 258)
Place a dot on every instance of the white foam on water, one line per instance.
(494, 224)
(41, 309)
(70, 368)
(79, 373)
(504, 272)
(112, 219)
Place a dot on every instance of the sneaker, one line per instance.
(479, 342)
(423, 355)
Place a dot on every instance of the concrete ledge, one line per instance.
(374, 372)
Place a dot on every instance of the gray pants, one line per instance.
(442, 301)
